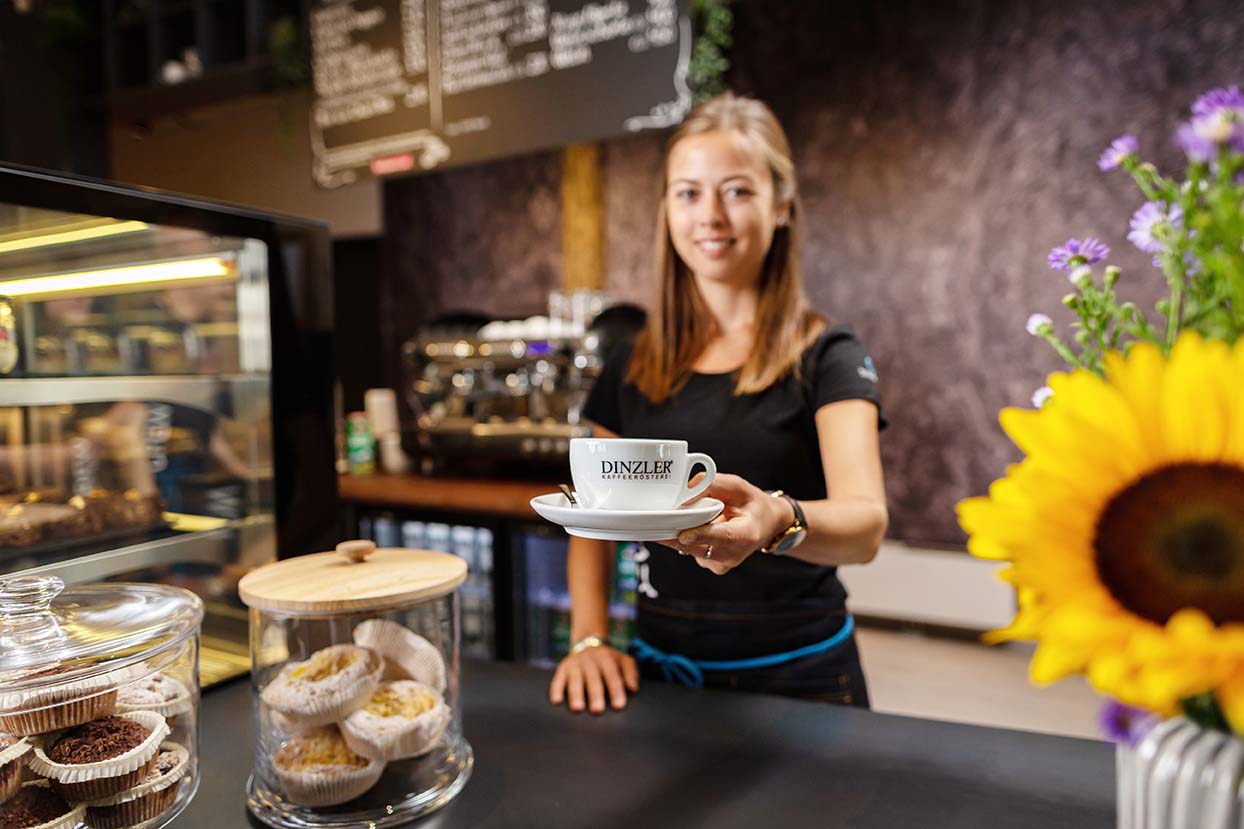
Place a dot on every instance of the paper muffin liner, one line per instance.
(103, 787)
(396, 738)
(178, 705)
(104, 771)
(328, 786)
(393, 672)
(327, 701)
(144, 802)
(10, 781)
(17, 702)
(131, 813)
(289, 727)
(67, 821)
(58, 716)
(14, 751)
(415, 655)
(11, 767)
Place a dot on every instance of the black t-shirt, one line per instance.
(768, 438)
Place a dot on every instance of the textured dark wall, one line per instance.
(942, 149)
(484, 238)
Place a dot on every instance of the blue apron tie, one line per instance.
(690, 672)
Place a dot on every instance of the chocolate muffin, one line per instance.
(38, 807)
(149, 799)
(38, 711)
(102, 739)
(103, 757)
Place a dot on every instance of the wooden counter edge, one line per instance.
(490, 497)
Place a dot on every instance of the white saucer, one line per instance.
(625, 525)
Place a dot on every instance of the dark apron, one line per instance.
(718, 631)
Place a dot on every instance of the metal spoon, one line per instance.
(569, 493)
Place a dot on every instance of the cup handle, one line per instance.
(710, 472)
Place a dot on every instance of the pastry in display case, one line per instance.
(137, 402)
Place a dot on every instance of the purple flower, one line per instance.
(1194, 146)
(1223, 127)
(1119, 149)
(1217, 119)
(1076, 252)
(1151, 222)
(1125, 724)
(1217, 100)
(1039, 324)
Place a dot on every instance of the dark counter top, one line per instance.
(678, 757)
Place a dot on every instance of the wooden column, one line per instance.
(583, 218)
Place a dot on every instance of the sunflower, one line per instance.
(1124, 527)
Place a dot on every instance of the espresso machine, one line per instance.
(509, 393)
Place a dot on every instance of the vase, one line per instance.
(1181, 776)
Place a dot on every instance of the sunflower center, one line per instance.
(1175, 539)
(1203, 547)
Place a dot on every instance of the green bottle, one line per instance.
(360, 446)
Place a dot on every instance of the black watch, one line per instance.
(791, 537)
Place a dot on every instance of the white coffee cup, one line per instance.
(636, 473)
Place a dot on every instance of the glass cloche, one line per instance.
(99, 703)
(354, 666)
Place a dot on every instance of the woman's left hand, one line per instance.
(751, 519)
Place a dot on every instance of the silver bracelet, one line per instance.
(587, 642)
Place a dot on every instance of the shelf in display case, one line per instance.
(202, 392)
(215, 546)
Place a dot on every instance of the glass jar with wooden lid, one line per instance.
(354, 657)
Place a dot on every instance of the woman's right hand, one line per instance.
(590, 674)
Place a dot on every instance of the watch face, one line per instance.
(791, 541)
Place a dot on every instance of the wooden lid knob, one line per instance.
(356, 550)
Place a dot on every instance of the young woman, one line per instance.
(735, 362)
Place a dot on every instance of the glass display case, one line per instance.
(165, 391)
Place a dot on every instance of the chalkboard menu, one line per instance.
(409, 85)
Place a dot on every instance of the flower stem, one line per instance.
(1063, 351)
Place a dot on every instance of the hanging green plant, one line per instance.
(713, 23)
(292, 68)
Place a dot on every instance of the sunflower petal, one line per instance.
(1054, 661)
(1096, 407)
(1193, 408)
(1138, 378)
(1233, 446)
(1080, 454)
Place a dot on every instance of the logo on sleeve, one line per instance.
(868, 371)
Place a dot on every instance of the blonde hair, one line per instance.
(679, 329)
